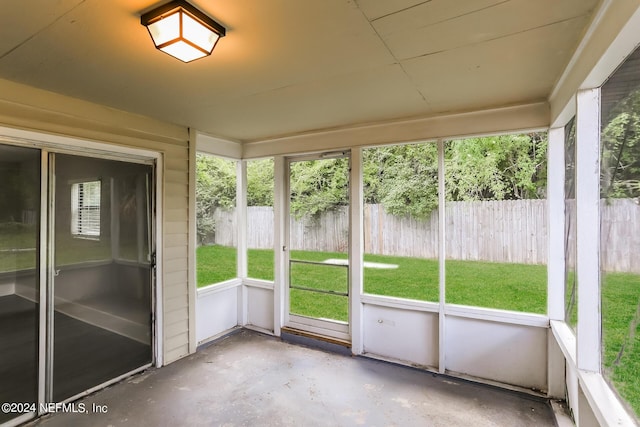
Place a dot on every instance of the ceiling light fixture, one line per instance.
(182, 31)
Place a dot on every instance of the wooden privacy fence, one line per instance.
(498, 231)
(620, 235)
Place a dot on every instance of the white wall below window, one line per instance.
(494, 345)
(217, 309)
(401, 334)
(259, 303)
(504, 352)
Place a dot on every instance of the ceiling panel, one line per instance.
(35, 18)
(364, 97)
(429, 13)
(504, 71)
(410, 34)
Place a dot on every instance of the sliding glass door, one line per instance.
(75, 236)
(102, 271)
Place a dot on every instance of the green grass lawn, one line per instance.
(621, 334)
(517, 287)
(493, 285)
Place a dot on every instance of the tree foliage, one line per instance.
(403, 178)
(215, 187)
(505, 167)
(260, 182)
(621, 149)
(318, 186)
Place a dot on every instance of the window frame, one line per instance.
(79, 209)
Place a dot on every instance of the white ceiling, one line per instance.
(292, 66)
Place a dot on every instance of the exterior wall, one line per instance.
(27, 108)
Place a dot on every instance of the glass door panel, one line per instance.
(102, 272)
(319, 241)
(19, 275)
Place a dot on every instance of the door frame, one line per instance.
(48, 143)
(326, 328)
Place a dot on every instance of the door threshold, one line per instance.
(335, 345)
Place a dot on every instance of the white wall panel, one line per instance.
(401, 334)
(260, 307)
(216, 311)
(507, 353)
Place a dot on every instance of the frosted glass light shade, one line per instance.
(182, 31)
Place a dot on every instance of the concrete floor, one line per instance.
(249, 379)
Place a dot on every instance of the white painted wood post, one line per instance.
(588, 229)
(280, 218)
(555, 257)
(242, 258)
(192, 284)
(441, 260)
(356, 252)
(556, 223)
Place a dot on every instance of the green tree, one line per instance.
(403, 178)
(504, 167)
(215, 187)
(260, 182)
(318, 186)
(621, 149)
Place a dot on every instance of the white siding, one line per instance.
(37, 110)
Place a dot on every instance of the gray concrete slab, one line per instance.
(249, 379)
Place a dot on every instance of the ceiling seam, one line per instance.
(398, 11)
(32, 36)
(397, 61)
(494, 38)
(450, 18)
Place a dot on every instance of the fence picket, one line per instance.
(499, 231)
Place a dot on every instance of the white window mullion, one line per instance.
(241, 214)
(280, 244)
(242, 258)
(442, 320)
(588, 229)
(555, 224)
(356, 252)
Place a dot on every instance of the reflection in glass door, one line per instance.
(318, 264)
(102, 271)
(83, 316)
(19, 275)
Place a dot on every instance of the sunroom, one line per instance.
(453, 187)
